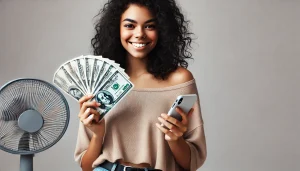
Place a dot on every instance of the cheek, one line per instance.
(153, 36)
(125, 35)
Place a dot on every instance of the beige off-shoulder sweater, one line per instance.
(131, 134)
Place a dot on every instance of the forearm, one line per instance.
(181, 152)
(92, 153)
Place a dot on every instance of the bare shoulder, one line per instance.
(179, 76)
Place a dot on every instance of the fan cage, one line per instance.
(59, 96)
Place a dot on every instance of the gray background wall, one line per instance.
(246, 67)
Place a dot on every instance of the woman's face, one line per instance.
(138, 31)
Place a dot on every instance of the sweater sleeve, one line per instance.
(195, 136)
(83, 141)
(196, 141)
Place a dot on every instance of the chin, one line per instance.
(139, 56)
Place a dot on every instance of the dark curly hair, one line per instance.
(174, 42)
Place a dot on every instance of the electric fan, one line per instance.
(34, 115)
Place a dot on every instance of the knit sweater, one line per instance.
(131, 134)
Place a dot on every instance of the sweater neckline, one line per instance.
(178, 86)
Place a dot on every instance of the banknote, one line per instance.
(82, 71)
(96, 75)
(97, 69)
(103, 74)
(63, 80)
(72, 72)
(89, 62)
(116, 65)
(110, 71)
(111, 92)
(74, 66)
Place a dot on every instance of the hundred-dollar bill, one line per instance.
(89, 62)
(64, 81)
(112, 62)
(75, 68)
(73, 73)
(116, 65)
(97, 67)
(104, 73)
(111, 92)
(82, 71)
(111, 70)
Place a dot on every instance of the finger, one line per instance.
(90, 111)
(85, 114)
(90, 104)
(88, 121)
(166, 131)
(163, 126)
(85, 98)
(172, 120)
(183, 115)
(178, 131)
(167, 124)
(96, 114)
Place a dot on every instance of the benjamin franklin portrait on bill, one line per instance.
(105, 98)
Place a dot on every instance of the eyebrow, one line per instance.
(133, 21)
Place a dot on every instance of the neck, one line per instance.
(136, 66)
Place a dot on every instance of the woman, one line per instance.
(150, 39)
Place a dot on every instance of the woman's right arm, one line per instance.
(90, 119)
(92, 153)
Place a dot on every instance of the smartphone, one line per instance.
(185, 102)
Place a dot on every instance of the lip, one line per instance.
(139, 42)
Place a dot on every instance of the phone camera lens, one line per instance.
(180, 100)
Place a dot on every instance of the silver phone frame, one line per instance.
(187, 102)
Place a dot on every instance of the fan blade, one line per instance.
(24, 142)
(13, 111)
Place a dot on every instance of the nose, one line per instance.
(140, 33)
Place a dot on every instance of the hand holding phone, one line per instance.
(185, 102)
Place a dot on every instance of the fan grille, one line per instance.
(31, 94)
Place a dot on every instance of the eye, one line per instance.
(129, 25)
(151, 26)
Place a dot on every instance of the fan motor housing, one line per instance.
(30, 121)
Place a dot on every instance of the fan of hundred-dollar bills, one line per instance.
(96, 75)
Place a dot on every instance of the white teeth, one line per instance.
(139, 44)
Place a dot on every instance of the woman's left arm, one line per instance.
(179, 147)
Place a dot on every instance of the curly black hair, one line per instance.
(174, 42)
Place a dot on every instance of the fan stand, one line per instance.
(29, 121)
(26, 162)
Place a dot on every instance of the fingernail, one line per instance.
(163, 115)
(98, 104)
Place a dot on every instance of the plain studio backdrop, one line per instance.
(246, 64)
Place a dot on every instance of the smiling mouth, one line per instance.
(139, 45)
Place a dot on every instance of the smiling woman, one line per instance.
(151, 41)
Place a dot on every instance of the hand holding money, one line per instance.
(95, 75)
(89, 117)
